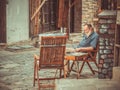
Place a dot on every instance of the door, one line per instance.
(2, 21)
(49, 15)
(46, 18)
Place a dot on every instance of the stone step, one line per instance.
(116, 73)
(87, 84)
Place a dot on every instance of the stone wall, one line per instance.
(106, 25)
(89, 11)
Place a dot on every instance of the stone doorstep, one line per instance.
(3, 45)
(90, 87)
(116, 73)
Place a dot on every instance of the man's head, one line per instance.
(87, 28)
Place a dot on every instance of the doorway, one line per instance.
(3, 21)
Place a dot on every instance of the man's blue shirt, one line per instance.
(92, 40)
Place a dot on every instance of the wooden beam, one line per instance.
(117, 45)
(37, 10)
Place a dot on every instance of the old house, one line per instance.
(16, 24)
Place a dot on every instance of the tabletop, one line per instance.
(75, 55)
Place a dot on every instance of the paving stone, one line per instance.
(87, 84)
(116, 73)
(92, 87)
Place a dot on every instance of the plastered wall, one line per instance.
(17, 20)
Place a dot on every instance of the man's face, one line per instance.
(86, 29)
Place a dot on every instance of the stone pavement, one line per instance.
(87, 84)
(16, 72)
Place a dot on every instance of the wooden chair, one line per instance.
(90, 57)
(52, 51)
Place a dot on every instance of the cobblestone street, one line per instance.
(59, 45)
(16, 71)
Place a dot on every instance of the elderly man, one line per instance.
(89, 42)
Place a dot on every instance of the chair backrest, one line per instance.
(52, 51)
(93, 53)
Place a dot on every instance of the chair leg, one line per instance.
(81, 67)
(77, 66)
(61, 72)
(66, 68)
(68, 65)
(71, 66)
(38, 77)
(90, 68)
(34, 73)
(96, 64)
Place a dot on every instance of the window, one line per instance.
(108, 4)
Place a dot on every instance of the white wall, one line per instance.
(17, 20)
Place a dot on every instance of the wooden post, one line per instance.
(69, 20)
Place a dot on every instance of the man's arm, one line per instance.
(92, 46)
(84, 49)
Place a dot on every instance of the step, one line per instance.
(87, 84)
(3, 45)
(116, 73)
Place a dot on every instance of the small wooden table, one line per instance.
(74, 56)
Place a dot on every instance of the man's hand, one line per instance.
(70, 50)
(77, 49)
